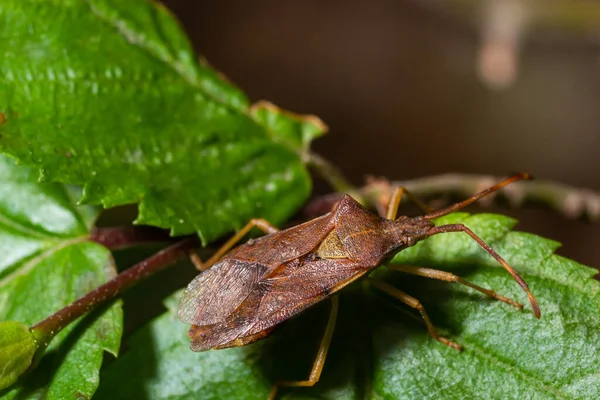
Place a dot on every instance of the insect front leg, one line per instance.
(264, 225)
(416, 304)
(317, 368)
(448, 277)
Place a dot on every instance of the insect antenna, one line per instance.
(484, 245)
(474, 198)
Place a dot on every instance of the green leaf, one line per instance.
(47, 263)
(17, 347)
(381, 348)
(109, 94)
(296, 130)
(167, 368)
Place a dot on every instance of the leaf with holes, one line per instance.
(110, 95)
(47, 262)
(381, 349)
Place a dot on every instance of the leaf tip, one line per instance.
(302, 128)
(304, 118)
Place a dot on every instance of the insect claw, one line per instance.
(534, 305)
(518, 305)
(509, 301)
(450, 343)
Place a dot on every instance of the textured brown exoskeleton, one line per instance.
(256, 286)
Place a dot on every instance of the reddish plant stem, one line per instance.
(45, 330)
(123, 237)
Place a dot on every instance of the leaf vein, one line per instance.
(23, 229)
(39, 257)
(530, 379)
(138, 41)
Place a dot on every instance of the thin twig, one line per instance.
(45, 330)
(123, 237)
(330, 173)
(571, 201)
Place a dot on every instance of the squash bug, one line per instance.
(251, 289)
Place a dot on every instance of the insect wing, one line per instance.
(217, 292)
(289, 290)
(292, 290)
(277, 248)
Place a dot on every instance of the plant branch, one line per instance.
(123, 237)
(330, 173)
(571, 201)
(45, 330)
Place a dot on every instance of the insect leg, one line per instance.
(264, 225)
(317, 368)
(448, 277)
(492, 252)
(414, 303)
(395, 202)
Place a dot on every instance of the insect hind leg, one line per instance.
(262, 224)
(319, 362)
(416, 304)
(449, 277)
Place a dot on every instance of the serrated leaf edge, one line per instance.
(134, 39)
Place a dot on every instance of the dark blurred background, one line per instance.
(415, 88)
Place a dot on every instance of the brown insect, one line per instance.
(256, 286)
